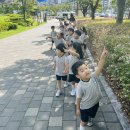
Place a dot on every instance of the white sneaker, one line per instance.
(65, 85)
(58, 93)
(90, 122)
(73, 93)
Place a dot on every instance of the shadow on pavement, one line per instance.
(25, 74)
(38, 43)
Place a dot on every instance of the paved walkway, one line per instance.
(27, 88)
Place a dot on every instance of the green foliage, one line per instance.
(116, 38)
(7, 26)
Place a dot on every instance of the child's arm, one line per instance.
(101, 62)
(72, 53)
(78, 106)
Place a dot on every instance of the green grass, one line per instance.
(20, 29)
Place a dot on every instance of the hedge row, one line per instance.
(117, 69)
(7, 26)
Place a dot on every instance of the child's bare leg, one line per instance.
(82, 125)
(73, 89)
(59, 84)
(58, 93)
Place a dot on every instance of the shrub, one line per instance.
(7, 26)
(117, 68)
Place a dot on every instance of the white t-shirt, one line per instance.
(84, 38)
(53, 35)
(58, 41)
(89, 92)
(71, 60)
(69, 39)
(76, 40)
(60, 65)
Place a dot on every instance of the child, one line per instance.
(84, 38)
(76, 53)
(88, 92)
(70, 36)
(59, 39)
(52, 35)
(76, 37)
(60, 67)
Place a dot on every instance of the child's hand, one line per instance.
(78, 112)
(66, 51)
(66, 72)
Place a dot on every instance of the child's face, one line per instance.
(76, 36)
(52, 29)
(73, 49)
(59, 52)
(70, 33)
(58, 35)
(84, 72)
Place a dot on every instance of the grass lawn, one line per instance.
(5, 34)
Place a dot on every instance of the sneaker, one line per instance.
(90, 122)
(73, 93)
(65, 85)
(58, 93)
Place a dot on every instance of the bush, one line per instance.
(117, 68)
(15, 17)
(7, 26)
(29, 22)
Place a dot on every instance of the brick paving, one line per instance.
(27, 88)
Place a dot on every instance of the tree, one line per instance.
(93, 7)
(121, 8)
(84, 4)
(128, 7)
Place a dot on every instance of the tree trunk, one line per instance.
(93, 13)
(129, 15)
(121, 7)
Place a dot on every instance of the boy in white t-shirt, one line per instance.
(52, 36)
(60, 63)
(88, 92)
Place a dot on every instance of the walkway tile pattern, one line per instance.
(27, 88)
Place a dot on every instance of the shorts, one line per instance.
(73, 78)
(52, 41)
(64, 78)
(84, 46)
(91, 112)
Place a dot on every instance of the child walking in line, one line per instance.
(84, 38)
(76, 37)
(59, 39)
(88, 91)
(76, 53)
(70, 36)
(52, 36)
(60, 63)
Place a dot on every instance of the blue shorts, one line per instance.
(64, 78)
(91, 112)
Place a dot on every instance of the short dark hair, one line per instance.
(76, 65)
(62, 34)
(52, 27)
(61, 47)
(78, 32)
(71, 29)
